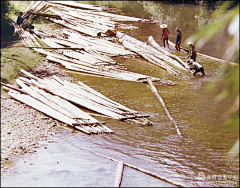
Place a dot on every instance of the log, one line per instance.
(119, 174)
(204, 55)
(42, 107)
(155, 45)
(146, 172)
(28, 74)
(154, 90)
(44, 15)
(76, 5)
(52, 48)
(8, 87)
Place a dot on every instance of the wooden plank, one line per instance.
(119, 174)
(44, 15)
(155, 45)
(146, 172)
(154, 90)
(42, 107)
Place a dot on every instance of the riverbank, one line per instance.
(22, 127)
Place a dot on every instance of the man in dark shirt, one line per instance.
(20, 18)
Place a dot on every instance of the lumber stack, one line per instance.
(84, 18)
(79, 94)
(85, 61)
(153, 55)
(97, 11)
(159, 48)
(55, 107)
(36, 7)
(100, 45)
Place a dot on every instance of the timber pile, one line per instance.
(153, 55)
(55, 107)
(79, 94)
(97, 50)
(97, 11)
(84, 18)
(83, 58)
(36, 7)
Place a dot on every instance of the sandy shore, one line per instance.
(22, 127)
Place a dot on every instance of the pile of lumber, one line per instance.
(85, 57)
(154, 54)
(96, 11)
(55, 107)
(79, 94)
(84, 18)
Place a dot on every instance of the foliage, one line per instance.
(229, 19)
(7, 29)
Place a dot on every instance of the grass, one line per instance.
(14, 58)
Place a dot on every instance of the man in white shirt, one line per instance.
(26, 24)
(195, 66)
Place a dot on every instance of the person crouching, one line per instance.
(27, 25)
(196, 67)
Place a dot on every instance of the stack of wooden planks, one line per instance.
(84, 18)
(55, 107)
(158, 56)
(84, 57)
(46, 91)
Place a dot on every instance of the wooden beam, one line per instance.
(60, 48)
(154, 90)
(146, 172)
(119, 174)
(45, 15)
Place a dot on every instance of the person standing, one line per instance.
(192, 52)
(165, 34)
(20, 18)
(178, 39)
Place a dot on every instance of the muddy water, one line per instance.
(71, 161)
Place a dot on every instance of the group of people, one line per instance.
(192, 52)
(24, 22)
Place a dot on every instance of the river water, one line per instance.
(156, 148)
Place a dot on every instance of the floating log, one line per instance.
(203, 55)
(119, 174)
(146, 172)
(154, 90)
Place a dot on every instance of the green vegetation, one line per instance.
(14, 58)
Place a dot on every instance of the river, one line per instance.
(156, 148)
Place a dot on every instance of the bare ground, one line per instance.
(22, 127)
